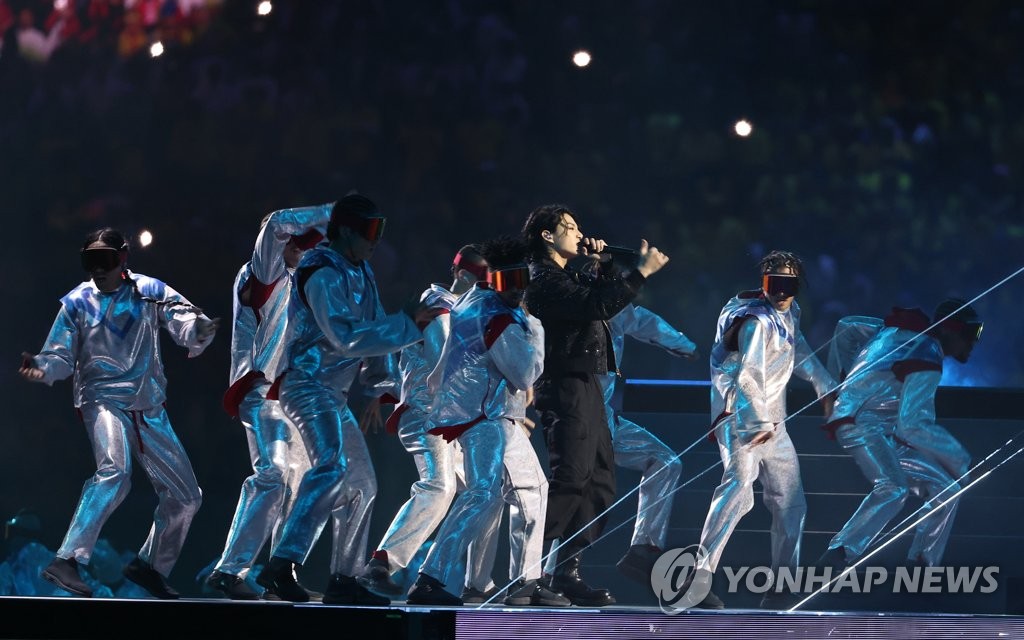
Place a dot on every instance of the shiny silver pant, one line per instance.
(278, 461)
(775, 464)
(476, 508)
(439, 464)
(895, 471)
(341, 484)
(525, 491)
(939, 445)
(638, 449)
(119, 436)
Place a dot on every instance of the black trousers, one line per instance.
(581, 458)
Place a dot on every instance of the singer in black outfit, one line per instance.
(574, 309)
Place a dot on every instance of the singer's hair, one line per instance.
(504, 251)
(956, 309)
(544, 218)
(777, 259)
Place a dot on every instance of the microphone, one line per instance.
(613, 251)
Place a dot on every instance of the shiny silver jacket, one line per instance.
(340, 330)
(749, 373)
(111, 341)
(890, 381)
(418, 360)
(260, 328)
(646, 326)
(492, 355)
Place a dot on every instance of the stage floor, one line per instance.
(40, 617)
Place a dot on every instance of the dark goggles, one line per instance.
(777, 284)
(970, 330)
(512, 278)
(372, 229)
(103, 259)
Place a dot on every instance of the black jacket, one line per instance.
(574, 309)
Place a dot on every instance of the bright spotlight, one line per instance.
(145, 238)
(264, 8)
(60, 5)
(742, 128)
(581, 58)
(156, 49)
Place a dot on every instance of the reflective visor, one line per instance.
(370, 228)
(969, 330)
(105, 259)
(509, 279)
(775, 284)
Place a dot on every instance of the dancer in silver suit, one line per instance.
(339, 331)
(107, 334)
(438, 462)
(885, 419)
(758, 347)
(494, 353)
(261, 292)
(638, 449)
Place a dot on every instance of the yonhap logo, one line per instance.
(677, 580)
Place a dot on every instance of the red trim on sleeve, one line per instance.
(259, 294)
(450, 433)
(830, 428)
(391, 424)
(714, 424)
(495, 326)
(387, 398)
(308, 240)
(236, 393)
(904, 368)
(274, 392)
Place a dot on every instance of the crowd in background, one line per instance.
(887, 148)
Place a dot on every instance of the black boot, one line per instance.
(567, 581)
(279, 576)
(344, 589)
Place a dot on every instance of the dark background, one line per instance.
(886, 150)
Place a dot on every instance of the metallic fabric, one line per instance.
(474, 509)
(278, 459)
(439, 463)
(492, 355)
(748, 396)
(337, 322)
(110, 343)
(525, 491)
(118, 438)
(258, 343)
(635, 447)
(889, 429)
(895, 472)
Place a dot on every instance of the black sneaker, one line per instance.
(704, 579)
(232, 586)
(427, 590)
(278, 575)
(143, 574)
(525, 593)
(472, 595)
(346, 590)
(377, 577)
(63, 572)
(638, 562)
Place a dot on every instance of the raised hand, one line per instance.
(651, 259)
(28, 369)
(206, 328)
